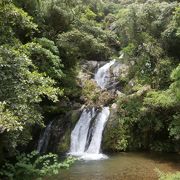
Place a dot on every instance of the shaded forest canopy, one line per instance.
(42, 43)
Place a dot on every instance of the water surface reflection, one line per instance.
(122, 166)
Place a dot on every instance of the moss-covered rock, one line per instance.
(60, 134)
(64, 144)
(113, 138)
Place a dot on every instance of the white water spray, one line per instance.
(80, 133)
(103, 74)
(101, 119)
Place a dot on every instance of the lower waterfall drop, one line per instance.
(80, 132)
(79, 135)
(101, 119)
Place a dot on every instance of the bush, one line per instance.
(32, 166)
(93, 94)
(75, 45)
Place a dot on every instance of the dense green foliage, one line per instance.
(41, 46)
(42, 43)
(24, 82)
(148, 116)
(32, 166)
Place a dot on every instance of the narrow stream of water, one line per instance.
(122, 166)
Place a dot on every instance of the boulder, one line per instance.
(111, 126)
(89, 66)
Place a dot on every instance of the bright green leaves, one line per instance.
(13, 23)
(32, 166)
(77, 44)
(8, 121)
(169, 97)
(160, 99)
(22, 88)
(174, 127)
(29, 72)
(176, 85)
(17, 76)
(148, 121)
(168, 176)
(40, 86)
(176, 73)
(173, 28)
(45, 56)
(147, 33)
(177, 21)
(88, 15)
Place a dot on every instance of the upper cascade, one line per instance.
(102, 76)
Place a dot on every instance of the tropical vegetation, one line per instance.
(42, 45)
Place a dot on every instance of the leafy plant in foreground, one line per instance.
(32, 166)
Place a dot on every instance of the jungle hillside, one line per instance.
(50, 54)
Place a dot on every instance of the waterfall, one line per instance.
(103, 75)
(86, 137)
(87, 134)
(79, 140)
(44, 139)
(80, 132)
(101, 119)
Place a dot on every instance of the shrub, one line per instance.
(32, 166)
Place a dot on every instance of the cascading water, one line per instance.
(101, 119)
(44, 139)
(80, 132)
(102, 76)
(87, 135)
(79, 146)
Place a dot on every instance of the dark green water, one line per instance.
(122, 166)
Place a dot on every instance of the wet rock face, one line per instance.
(89, 70)
(117, 70)
(59, 140)
(108, 143)
(91, 66)
(99, 81)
